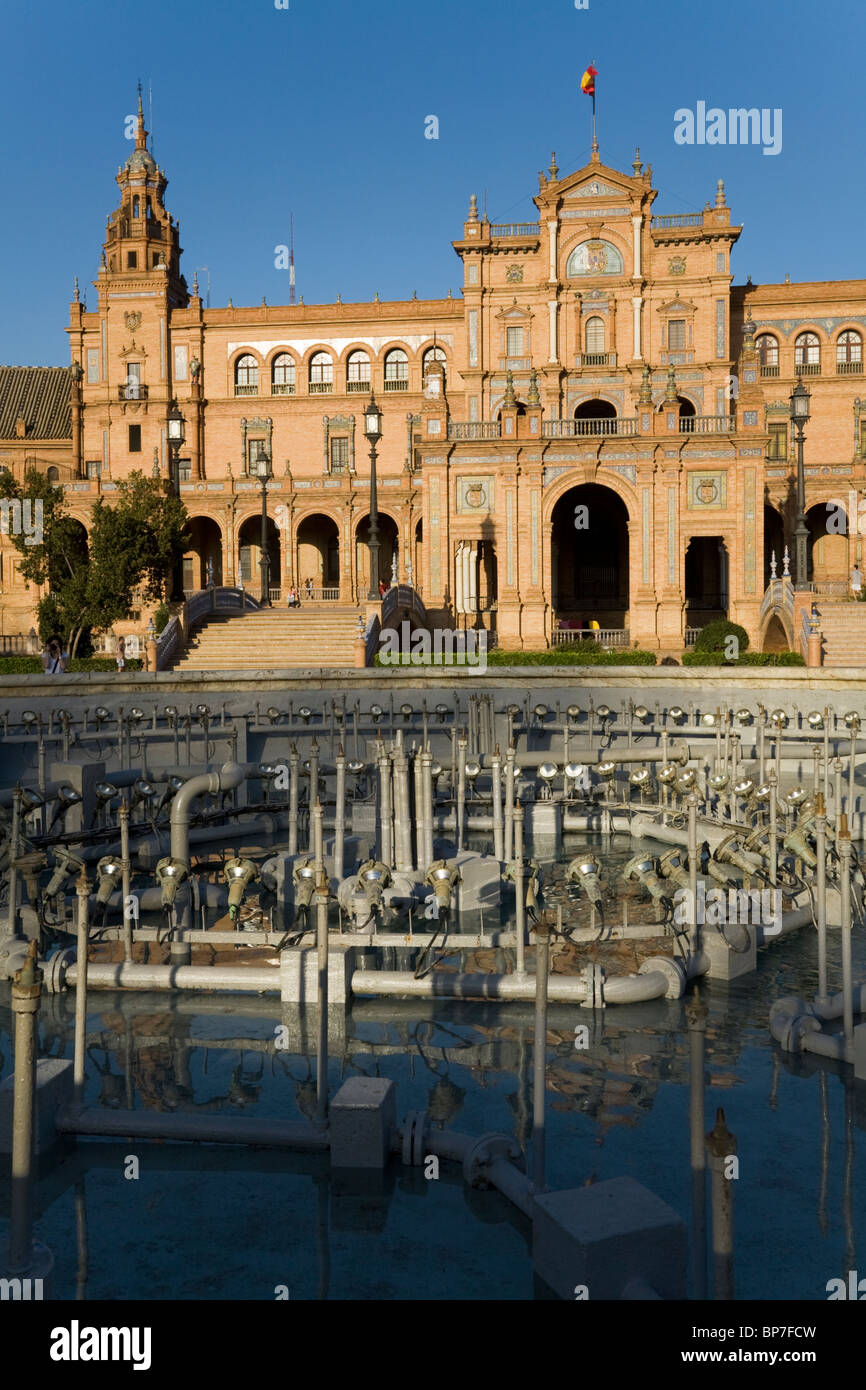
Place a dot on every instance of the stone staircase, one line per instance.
(274, 639)
(843, 624)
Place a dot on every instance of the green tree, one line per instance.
(97, 580)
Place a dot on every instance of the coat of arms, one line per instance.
(132, 320)
(475, 494)
(596, 257)
(677, 265)
(707, 490)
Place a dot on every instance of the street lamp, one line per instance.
(176, 437)
(373, 431)
(176, 425)
(799, 417)
(263, 470)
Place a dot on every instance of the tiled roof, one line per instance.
(41, 396)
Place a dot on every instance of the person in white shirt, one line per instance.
(856, 581)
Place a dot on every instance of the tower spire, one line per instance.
(140, 132)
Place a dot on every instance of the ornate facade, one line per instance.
(598, 428)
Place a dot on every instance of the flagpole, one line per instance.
(594, 139)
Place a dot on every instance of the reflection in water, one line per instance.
(638, 1098)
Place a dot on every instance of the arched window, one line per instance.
(594, 334)
(283, 375)
(807, 354)
(246, 376)
(849, 353)
(432, 354)
(321, 374)
(358, 372)
(396, 370)
(136, 205)
(768, 354)
(54, 475)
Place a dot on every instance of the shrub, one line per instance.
(577, 654)
(747, 659)
(160, 617)
(712, 638)
(32, 665)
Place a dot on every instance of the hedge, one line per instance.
(577, 655)
(32, 665)
(747, 659)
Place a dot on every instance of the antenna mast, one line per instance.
(292, 299)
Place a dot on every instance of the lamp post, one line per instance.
(263, 469)
(176, 437)
(799, 417)
(373, 431)
(176, 425)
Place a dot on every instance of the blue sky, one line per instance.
(320, 110)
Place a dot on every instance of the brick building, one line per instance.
(598, 428)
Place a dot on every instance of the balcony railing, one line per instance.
(321, 388)
(397, 384)
(515, 229)
(132, 391)
(769, 369)
(605, 636)
(808, 368)
(706, 424)
(595, 359)
(283, 388)
(569, 429)
(246, 390)
(474, 429)
(318, 593)
(677, 219)
(359, 386)
(849, 368)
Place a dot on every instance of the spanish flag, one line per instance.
(587, 82)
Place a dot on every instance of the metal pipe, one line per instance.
(427, 769)
(695, 930)
(317, 844)
(519, 902)
(843, 844)
(83, 891)
(696, 1017)
(402, 819)
(126, 879)
(460, 804)
(231, 775)
(313, 795)
(418, 788)
(498, 846)
(26, 992)
(539, 1055)
(820, 827)
(508, 842)
(222, 978)
(195, 1128)
(340, 816)
(322, 1000)
(293, 800)
(622, 989)
(385, 841)
(12, 921)
(774, 843)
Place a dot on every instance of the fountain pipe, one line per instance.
(843, 844)
(26, 993)
(293, 800)
(340, 816)
(83, 891)
(820, 828)
(125, 867)
(230, 776)
(498, 847)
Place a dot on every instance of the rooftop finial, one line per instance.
(720, 194)
(195, 284)
(473, 208)
(509, 398)
(671, 393)
(636, 166)
(140, 132)
(553, 171)
(646, 394)
(76, 296)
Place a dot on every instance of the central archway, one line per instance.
(318, 549)
(590, 556)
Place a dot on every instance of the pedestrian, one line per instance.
(54, 658)
(121, 654)
(383, 588)
(856, 581)
(293, 597)
(308, 585)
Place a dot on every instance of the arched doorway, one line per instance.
(707, 585)
(250, 554)
(595, 417)
(388, 548)
(204, 547)
(774, 541)
(827, 550)
(590, 557)
(318, 550)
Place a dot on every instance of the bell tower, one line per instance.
(141, 238)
